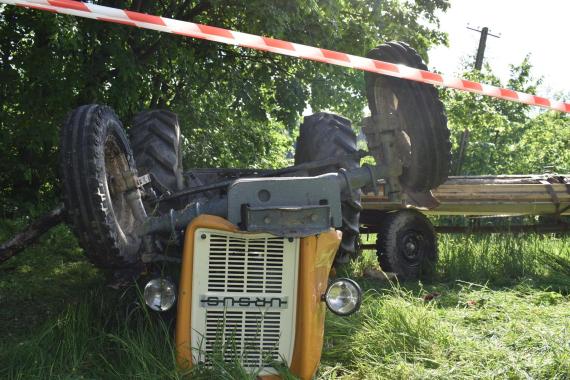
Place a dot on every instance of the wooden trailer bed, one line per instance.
(490, 195)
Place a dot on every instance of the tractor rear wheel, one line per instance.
(155, 139)
(323, 136)
(422, 136)
(407, 245)
(95, 157)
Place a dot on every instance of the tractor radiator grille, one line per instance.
(245, 265)
(255, 333)
(244, 296)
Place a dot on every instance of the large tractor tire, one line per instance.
(95, 154)
(323, 136)
(155, 139)
(422, 136)
(407, 245)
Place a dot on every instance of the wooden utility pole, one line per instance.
(482, 44)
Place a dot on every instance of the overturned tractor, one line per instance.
(255, 247)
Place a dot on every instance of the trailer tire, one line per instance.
(407, 245)
(156, 142)
(425, 147)
(325, 135)
(94, 150)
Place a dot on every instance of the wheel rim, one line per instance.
(386, 99)
(116, 164)
(412, 247)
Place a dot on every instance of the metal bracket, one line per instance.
(142, 180)
(381, 130)
(288, 221)
(285, 193)
(130, 181)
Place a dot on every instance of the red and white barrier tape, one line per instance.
(206, 32)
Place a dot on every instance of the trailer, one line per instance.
(503, 195)
(406, 238)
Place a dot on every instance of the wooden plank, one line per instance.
(466, 208)
(502, 187)
(492, 195)
(501, 197)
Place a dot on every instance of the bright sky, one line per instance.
(541, 28)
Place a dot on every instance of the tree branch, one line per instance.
(31, 233)
(201, 7)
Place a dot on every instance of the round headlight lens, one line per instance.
(343, 296)
(159, 294)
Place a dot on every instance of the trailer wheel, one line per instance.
(422, 136)
(324, 135)
(407, 245)
(94, 156)
(155, 139)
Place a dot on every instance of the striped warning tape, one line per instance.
(231, 37)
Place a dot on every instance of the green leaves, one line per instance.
(507, 137)
(238, 107)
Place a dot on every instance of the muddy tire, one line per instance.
(422, 134)
(407, 245)
(155, 139)
(94, 151)
(322, 136)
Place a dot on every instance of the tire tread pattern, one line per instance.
(155, 138)
(424, 115)
(387, 244)
(325, 135)
(82, 171)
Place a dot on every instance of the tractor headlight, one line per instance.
(343, 297)
(159, 294)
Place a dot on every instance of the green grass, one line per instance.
(499, 308)
(468, 331)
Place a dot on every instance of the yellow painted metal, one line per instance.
(184, 313)
(316, 258)
(317, 255)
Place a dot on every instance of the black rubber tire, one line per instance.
(420, 115)
(325, 135)
(93, 147)
(155, 139)
(407, 245)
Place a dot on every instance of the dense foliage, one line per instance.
(507, 137)
(238, 107)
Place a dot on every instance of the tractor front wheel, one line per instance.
(95, 163)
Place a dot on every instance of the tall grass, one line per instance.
(467, 332)
(499, 309)
(98, 337)
(104, 339)
(504, 259)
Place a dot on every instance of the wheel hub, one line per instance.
(115, 165)
(411, 246)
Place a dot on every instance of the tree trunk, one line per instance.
(32, 232)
